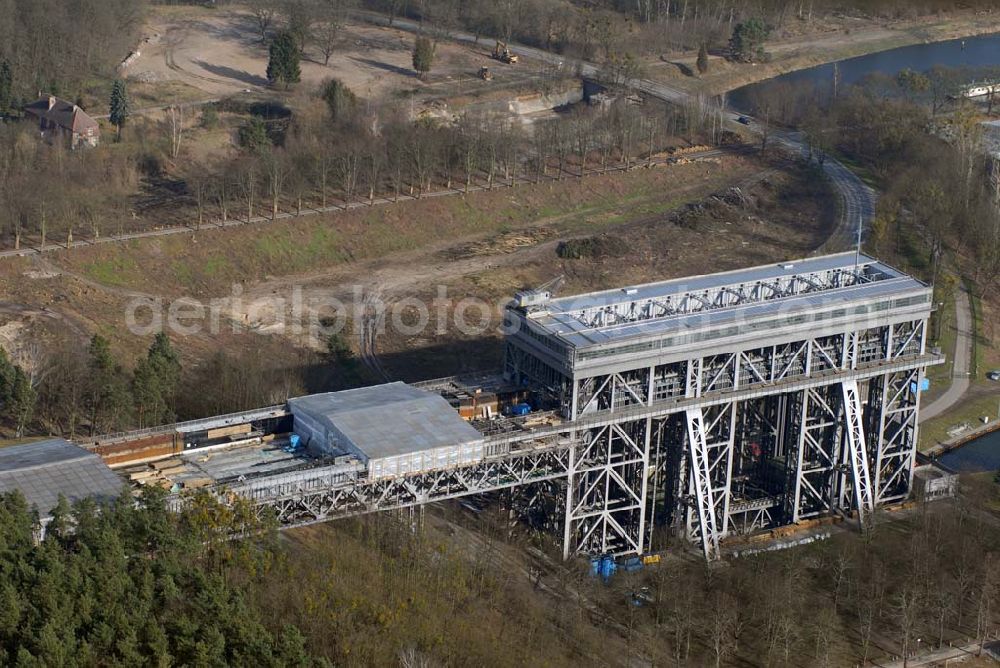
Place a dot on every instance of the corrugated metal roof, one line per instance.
(559, 318)
(45, 469)
(573, 332)
(390, 419)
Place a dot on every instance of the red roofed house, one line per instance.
(59, 118)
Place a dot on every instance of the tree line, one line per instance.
(130, 583)
(913, 585)
(127, 582)
(599, 28)
(923, 144)
(339, 150)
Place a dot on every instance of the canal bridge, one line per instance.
(712, 406)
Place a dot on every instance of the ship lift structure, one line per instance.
(707, 407)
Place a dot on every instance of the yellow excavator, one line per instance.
(502, 53)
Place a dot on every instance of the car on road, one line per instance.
(744, 120)
(994, 375)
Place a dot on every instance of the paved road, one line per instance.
(939, 657)
(963, 360)
(857, 199)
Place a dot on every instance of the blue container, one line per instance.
(293, 441)
(595, 567)
(608, 567)
(520, 409)
(633, 564)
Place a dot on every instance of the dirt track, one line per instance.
(219, 52)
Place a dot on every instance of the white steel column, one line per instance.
(864, 496)
(701, 480)
(711, 434)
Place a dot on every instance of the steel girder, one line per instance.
(634, 310)
(606, 490)
(817, 479)
(364, 496)
(751, 515)
(613, 391)
(893, 405)
(711, 435)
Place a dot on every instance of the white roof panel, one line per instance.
(45, 469)
(387, 420)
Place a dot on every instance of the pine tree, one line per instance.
(17, 395)
(283, 60)
(6, 87)
(703, 59)
(108, 391)
(339, 98)
(119, 106)
(166, 363)
(747, 42)
(155, 382)
(423, 55)
(22, 402)
(146, 394)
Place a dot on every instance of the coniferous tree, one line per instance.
(283, 60)
(119, 106)
(108, 392)
(17, 395)
(747, 43)
(155, 382)
(703, 59)
(423, 55)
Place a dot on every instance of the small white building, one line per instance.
(395, 429)
(931, 483)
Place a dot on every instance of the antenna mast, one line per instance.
(857, 251)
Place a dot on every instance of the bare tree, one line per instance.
(277, 175)
(264, 13)
(988, 591)
(329, 22)
(199, 182)
(721, 631)
(247, 179)
(907, 608)
(175, 115)
(221, 186)
(374, 164)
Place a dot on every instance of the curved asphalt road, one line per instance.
(963, 358)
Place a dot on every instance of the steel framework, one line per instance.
(748, 403)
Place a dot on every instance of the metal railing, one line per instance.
(189, 425)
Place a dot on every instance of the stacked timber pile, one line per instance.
(163, 473)
(692, 149)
